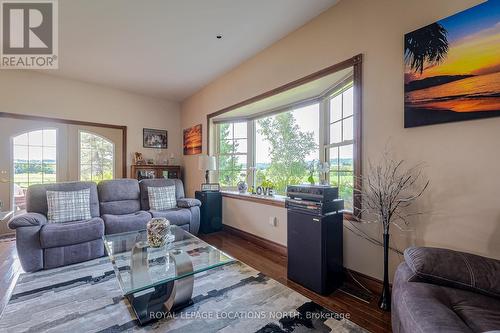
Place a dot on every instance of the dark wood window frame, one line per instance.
(79, 123)
(356, 63)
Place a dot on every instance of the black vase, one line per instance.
(385, 299)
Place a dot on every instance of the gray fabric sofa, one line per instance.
(440, 290)
(115, 207)
(187, 213)
(120, 206)
(43, 245)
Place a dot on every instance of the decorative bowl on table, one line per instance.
(158, 230)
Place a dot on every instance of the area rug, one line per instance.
(235, 298)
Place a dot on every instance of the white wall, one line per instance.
(462, 158)
(235, 213)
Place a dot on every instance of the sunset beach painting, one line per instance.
(452, 68)
(192, 140)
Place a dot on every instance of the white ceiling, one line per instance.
(168, 48)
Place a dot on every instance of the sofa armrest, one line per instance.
(27, 220)
(454, 269)
(188, 203)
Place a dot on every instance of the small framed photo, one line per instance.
(154, 138)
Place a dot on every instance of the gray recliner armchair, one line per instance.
(43, 245)
(186, 214)
(120, 206)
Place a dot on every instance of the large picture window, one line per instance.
(285, 148)
(96, 157)
(306, 131)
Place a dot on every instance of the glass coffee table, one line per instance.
(160, 279)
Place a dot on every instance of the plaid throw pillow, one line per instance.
(162, 198)
(68, 206)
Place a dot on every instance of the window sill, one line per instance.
(277, 200)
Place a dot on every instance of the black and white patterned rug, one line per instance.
(236, 298)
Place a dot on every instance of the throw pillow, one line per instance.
(162, 198)
(68, 206)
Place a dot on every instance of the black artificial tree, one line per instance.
(388, 189)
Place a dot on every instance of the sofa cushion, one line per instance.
(162, 198)
(176, 216)
(127, 222)
(120, 207)
(455, 269)
(36, 196)
(119, 196)
(425, 307)
(481, 313)
(68, 206)
(70, 233)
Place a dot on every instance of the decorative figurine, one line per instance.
(242, 187)
(138, 158)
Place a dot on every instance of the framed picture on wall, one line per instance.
(452, 68)
(192, 140)
(154, 138)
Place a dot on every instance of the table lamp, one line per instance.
(207, 163)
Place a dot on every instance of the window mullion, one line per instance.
(342, 118)
(324, 133)
(251, 153)
(340, 144)
(217, 150)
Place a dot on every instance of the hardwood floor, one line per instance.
(268, 262)
(369, 316)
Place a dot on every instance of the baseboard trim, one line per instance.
(373, 284)
(257, 240)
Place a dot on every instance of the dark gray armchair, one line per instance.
(121, 206)
(440, 290)
(186, 214)
(43, 245)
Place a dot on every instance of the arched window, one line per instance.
(96, 157)
(34, 161)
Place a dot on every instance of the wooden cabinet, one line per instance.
(145, 171)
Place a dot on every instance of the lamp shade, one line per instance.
(206, 162)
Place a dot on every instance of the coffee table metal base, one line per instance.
(158, 301)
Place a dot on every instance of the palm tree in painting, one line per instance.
(426, 45)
